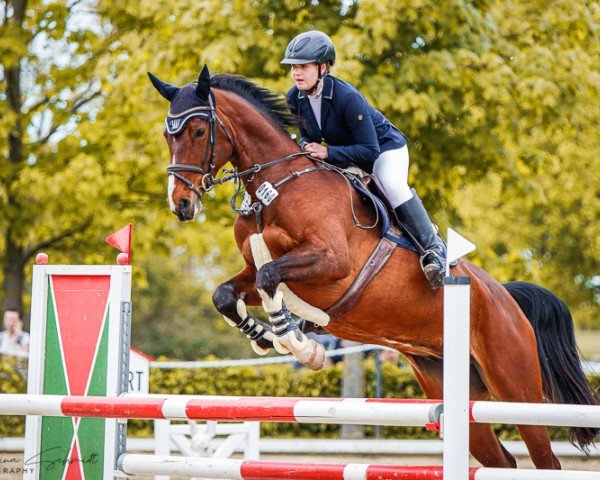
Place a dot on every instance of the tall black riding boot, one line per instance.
(415, 222)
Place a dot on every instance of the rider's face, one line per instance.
(305, 76)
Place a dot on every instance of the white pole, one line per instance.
(557, 415)
(455, 425)
(456, 377)
(162, 442)
(523, 474)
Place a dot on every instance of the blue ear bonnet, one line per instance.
(186, 105)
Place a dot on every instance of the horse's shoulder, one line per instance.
(280, 240)
(243, 227)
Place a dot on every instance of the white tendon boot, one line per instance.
(289, 338)
(253, 329)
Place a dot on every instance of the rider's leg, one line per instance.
(391, 169)
(415, 221)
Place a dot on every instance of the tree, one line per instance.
(538, 220)
(498, 101)
(53, 192)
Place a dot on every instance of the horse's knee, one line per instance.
(224, 299)
(268, 278)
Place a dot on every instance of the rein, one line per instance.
(208, 181)
(208, 178)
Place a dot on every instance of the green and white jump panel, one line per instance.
(80, 336)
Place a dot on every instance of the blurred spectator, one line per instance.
(389, 355)
(13, 339)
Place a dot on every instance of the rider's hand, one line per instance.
(316, 150)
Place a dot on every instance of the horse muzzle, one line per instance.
(186, 209)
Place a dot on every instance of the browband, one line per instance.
(176, 122)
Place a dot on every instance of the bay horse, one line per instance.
(300, 242)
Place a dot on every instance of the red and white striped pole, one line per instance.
(215, 468)
(269, 409)
(374, 411)
(218, 468)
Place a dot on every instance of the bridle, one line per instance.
(176, 123)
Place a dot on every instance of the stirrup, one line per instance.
(433, 269)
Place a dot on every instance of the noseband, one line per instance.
(175, 124)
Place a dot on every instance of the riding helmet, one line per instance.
(309, 47)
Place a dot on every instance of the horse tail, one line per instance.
(562, 376)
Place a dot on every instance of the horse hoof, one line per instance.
(279, 347)
(258, 350)
(316, 360)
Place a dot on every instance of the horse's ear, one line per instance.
(203, 87)
(166, 90)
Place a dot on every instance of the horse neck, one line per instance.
(258, 141)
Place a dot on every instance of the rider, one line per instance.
(333, 111)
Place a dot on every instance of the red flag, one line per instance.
(121, 239)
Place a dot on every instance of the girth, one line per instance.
(379, 257)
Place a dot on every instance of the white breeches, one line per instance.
(391, 169)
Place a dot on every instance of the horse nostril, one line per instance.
(184, 204)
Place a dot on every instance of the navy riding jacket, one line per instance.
(354, 131)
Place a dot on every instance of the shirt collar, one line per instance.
(328, 87)
(327, 91)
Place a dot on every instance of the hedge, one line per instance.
(269, 380)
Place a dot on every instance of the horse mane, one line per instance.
(271, 104)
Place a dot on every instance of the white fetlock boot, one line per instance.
(254, 329)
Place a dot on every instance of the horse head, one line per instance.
(191, 132)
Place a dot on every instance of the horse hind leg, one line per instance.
(483, 443)
(563, 379)
(507, 357)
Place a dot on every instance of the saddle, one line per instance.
(371, 192)
(391, 237)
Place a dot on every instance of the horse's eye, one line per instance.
(199, 132)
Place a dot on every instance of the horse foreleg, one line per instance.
(231, 299)
(314, 262)
(289, 336)
(311, 262)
